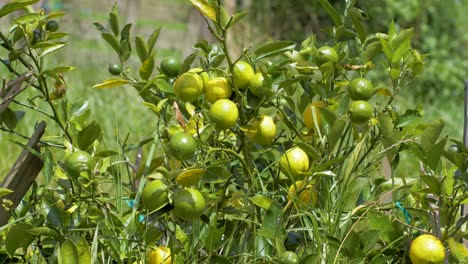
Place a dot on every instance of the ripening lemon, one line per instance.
(217, 88)
(224, 114)
(256, 86)
(307, 193)
(155, 195)
(188, 87)
(160, 255)
(427, 249)
(189, 204)
(242, 73)
(309, 118)
(296, 161)
(264, 130)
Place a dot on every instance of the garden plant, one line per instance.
(284, 153)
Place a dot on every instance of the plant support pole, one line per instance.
(465, 142)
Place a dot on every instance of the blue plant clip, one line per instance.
(407, 215)
(131, 204)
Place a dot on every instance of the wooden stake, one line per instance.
(22, 174)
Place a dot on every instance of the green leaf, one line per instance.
(15, 5)
(216, 174)
(204, 8)
(308, 149)
(332, 12)
(372, 50)
(402, 37)
(386, 48)
(111, 83)
(49, 47)
(18, 237)
(88, 135)
(44, 231)
(114, 20)
(112, 40)
(434, 154)
(336, 132)
(147, 67)
(125, 33)
(188, 62)
(355, 19)
(141, 48)
(401, 51)
(458, 250)
(8, 117)
(152, 39)
(236, 18)
(5, 191)
(163, 86)
(433, 183)
(274, 48)
(68, 253)
(215, 259)
(429, 133)
(125, 50)
(213, 237)
(261, 201)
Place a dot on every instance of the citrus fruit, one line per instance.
(78, 164)
(182, 146)
(265, 130)
(115, 69)
(296, 161)
(188, 87)
(307, 193)
(360, 111)
(217, 88)
(36, 37)
(155, 195)
(189, 204)
(242, 73)
(288, 257)
(360, 89)
(256, 86)
(52, 25)
(160, 255)
(326, 54)
(308, 117)
(170, 67)
(224, 114)
(427, 249)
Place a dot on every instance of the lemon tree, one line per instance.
(276, 152)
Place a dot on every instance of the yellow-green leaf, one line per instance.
(190, 177)
(458, 250)
(111, 83)
(204, 8)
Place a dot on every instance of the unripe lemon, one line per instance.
(189, 204)
(360, 89)
(155, 195)
(360, 111)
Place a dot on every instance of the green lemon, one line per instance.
(78, 164)
(155, 195)
(189, 204)
(182, 146)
